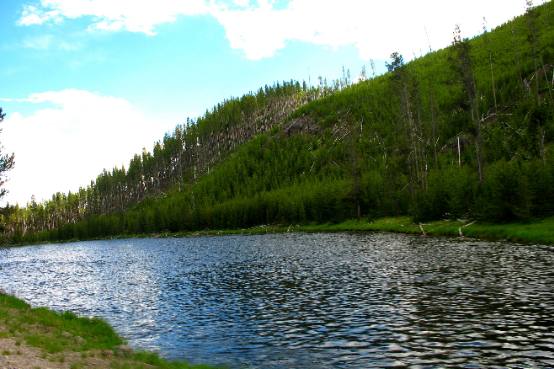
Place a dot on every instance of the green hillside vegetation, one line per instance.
(461, 133)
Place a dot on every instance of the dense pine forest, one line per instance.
(464, 132)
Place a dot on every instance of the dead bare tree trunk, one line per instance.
(465, 69)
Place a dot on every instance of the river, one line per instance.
(306, 300)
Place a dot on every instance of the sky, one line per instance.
(86, 84)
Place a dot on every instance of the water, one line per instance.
(306, 301)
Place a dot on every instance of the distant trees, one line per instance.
(176, 162)
(466, 132)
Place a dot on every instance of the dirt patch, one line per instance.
(15, 354)
(302, 125)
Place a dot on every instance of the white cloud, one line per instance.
(242, 3)
(260, 28)
(375, 28)
(49, 42)
(110, 15)
(66, 144)
(35, 15)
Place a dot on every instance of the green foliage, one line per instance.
(450, 193)
(540, 183)
(464, 132)
(505, 194)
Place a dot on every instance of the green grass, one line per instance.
(57, 334)
(537, 231)
(52, 331)
(540, 231)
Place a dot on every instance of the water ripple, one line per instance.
(306, 301)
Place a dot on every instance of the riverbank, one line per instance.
(537, 231)
(33, 338)
(532, 232)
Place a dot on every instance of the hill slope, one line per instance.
(462, 132)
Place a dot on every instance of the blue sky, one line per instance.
(88, 83)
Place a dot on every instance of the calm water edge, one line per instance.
(306, 300)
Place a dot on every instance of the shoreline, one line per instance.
(536, 231)
(39, 337)
(43, 338)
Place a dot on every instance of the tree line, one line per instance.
(179, 158)
(464, 132)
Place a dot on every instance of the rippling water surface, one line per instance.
(306, 300)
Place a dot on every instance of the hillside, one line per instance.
(464, 132)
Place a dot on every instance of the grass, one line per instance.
(62, 337)
(537, 231)
(52, 331)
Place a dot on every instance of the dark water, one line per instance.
(306, 301)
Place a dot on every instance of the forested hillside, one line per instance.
(464, 132)
(179, 158)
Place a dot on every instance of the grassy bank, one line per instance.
(41, 338)
(538, 231)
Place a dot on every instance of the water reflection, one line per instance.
(306, 301)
